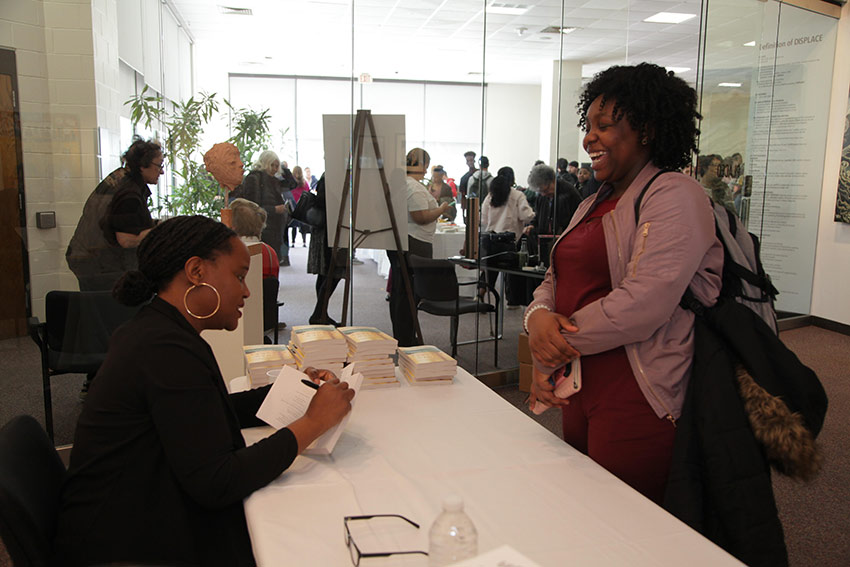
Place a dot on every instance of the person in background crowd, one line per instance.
(587, 184)
(565, 172)
(262, 187)
(286, 178)
(249, 220)
(572, 169)
(422, 214)
(710, 169)
(461, 187)
(301, 185)
(441, 191)
(556, 203)
(159, 469)
(610, 299)
(319, 261)
(311, 179)
(115, 219)
(479, 183)
(504, 210)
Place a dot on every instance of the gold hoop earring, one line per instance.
(645, 141)
(217, 301)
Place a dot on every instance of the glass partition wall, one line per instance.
(498, 79)
(764, 85)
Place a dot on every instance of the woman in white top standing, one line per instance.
(422, 208)
(506, 210)
(422, 215)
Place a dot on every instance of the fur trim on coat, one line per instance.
(789, 446)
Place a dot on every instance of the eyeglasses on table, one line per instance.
(354, 550)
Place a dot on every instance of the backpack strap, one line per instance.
(733, 226)
(639, 200)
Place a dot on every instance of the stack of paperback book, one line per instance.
(264, 362)
(369, 352)
(426, 365)
(319, 346)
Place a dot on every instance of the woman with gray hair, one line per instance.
(556, 202)
(248, 221)
(263, 188)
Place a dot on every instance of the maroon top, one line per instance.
(581, 265)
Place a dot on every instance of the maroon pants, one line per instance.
(610, 420)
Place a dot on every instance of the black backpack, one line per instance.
(744, 278)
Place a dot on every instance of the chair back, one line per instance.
(31, 475)
(433, 280)
(270, 313)
(78, 326)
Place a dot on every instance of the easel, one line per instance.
(364, 118)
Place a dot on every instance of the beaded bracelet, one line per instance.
(530, 311)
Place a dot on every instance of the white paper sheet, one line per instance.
(503, 556)
(289, 398)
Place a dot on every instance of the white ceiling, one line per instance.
(446, 39)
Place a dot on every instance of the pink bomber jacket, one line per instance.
(673, 246)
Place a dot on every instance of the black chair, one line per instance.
(31, 475)
(75, 335)
(435, 284)
(271, 306)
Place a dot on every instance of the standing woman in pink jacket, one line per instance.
(610, 300)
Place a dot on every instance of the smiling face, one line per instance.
(614, 147)
(226, 272)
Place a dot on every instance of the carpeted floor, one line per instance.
(814, 516)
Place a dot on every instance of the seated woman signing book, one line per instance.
(159, 468)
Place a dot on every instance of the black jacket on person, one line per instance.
(159, 468)
(551, 219)
(118, 203)
(719, 481)
(263, 189)
(751, 403)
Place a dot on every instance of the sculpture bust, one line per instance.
(222, 161)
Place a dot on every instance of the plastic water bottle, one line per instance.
(453, 536)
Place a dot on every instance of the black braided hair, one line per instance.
(141, 153)
(164, 252)
(657, 104)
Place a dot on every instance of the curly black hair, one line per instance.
(141, 153)
(657, 104)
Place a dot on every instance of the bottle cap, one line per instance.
(453, 503)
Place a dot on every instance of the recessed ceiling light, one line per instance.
(678, 69)
(669, 18)
(732, 85)
(234, 11)
(750, 44)
(508, 9)
(557, 29)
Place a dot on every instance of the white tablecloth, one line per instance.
(446, 244)
(406, 448)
